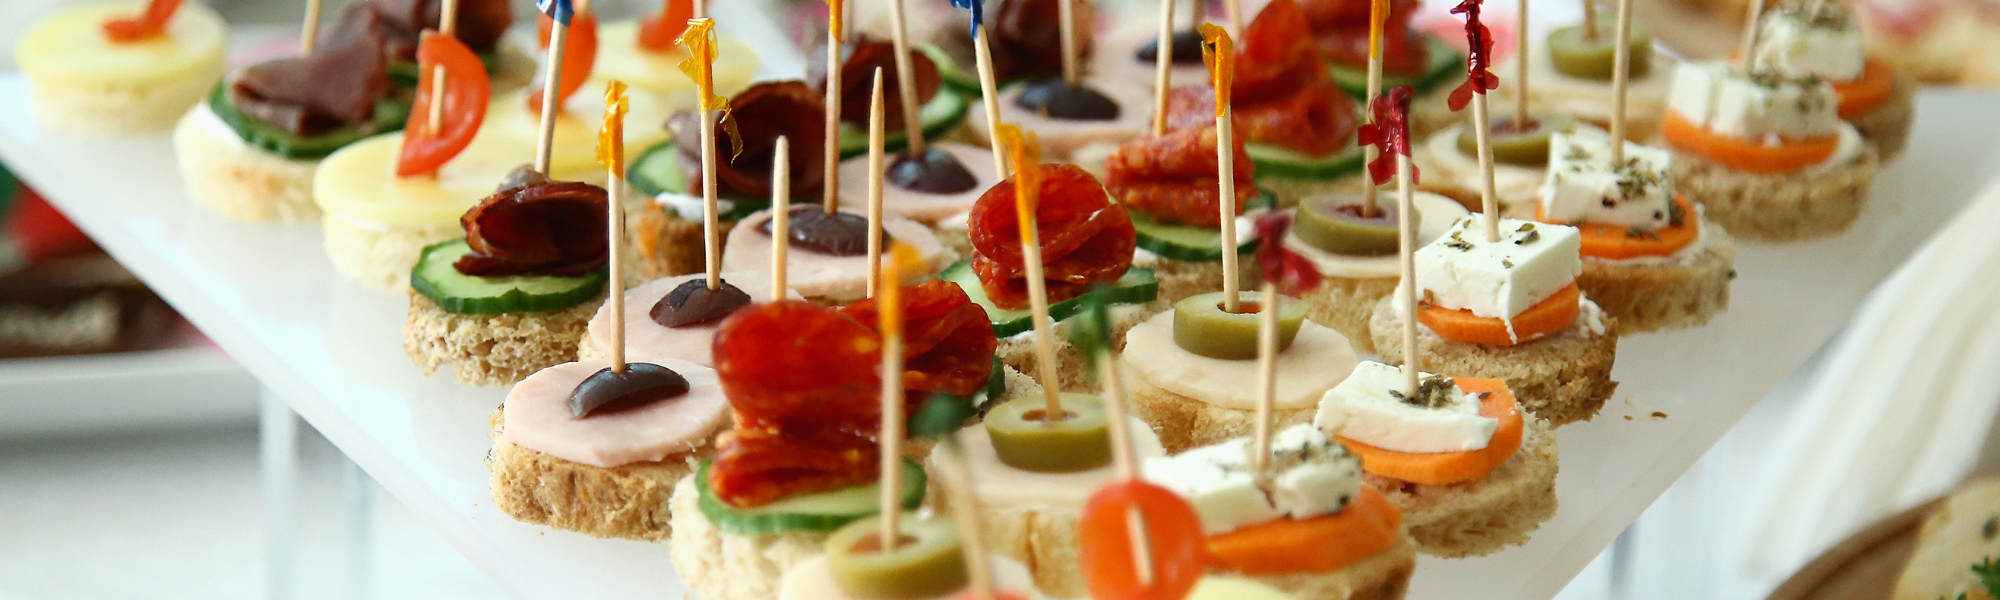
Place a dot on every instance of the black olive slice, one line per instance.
(1186, 48)
(692, 303)
(834, 234)
(933, 172)
(1053, 98)
(642, 384)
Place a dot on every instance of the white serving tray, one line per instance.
(267, 295)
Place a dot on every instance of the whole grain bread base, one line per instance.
(1183, 423)
(718, 565)
(668, 245)
(1018, 351)
(1564, 377)
(1779, 207)
(237, 180)
(1384, 576)
(497, 349)
(1481, 517)
(1346, 304)
(1887, 127)
(379, 256)
(1645, 297)
(626, 501)
(1180, 279)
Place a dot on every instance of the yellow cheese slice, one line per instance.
(359, 182)
(619, 57)
(70, 46)
(510, 124)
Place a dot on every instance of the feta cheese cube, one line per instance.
(1826, 44)
(1499, 279)
(1582, 186)
(1370, 407)
(1757, 104)
(1309, 476)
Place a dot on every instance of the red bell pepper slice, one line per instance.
(147, 25)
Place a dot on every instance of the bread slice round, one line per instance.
(1346, 304)
(1778, 207)
(1887, 127)
(493, 349)
(1481, 517)
(1180, 279)
(1018, 351)
(1430, 111)
(668, 245)
(377, 255)
(1642, 296)
(134, 108)
(718, 565)
(1963, 531)
(236, 180)
(1384, 576)
(1183, 423)
(1564, 377)
(626, 501)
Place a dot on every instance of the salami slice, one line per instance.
(1281, 94)
(1085, 237)
(1341, 30)
(1173, 177)
(755, 467)
(798, 366)
(948, 341)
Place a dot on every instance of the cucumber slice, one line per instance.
(1444, 62)
(962, 79)
(656, 172)
(1278, 162)
(462, 294)
(815, 513)
(1138, 286)
(940, 115)
(404, 73)
(389, 116)
(1189, 243)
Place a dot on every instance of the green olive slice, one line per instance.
(927, 560)
(1202, 326)
(1026, 439)
(1577, 55)
(1514, 144)
(1334, 223)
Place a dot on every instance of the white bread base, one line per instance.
(497, 349)
(376, 255)
(1184, 423)
(236, 180)
(1953, 539)
(112, 109)
(718, 565)
(1564, 377)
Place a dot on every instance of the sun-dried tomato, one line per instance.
(948, 341)
(1174, 177)
(540, 228)
(1085, 237)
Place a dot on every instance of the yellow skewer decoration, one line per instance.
(1219, 53)
(611, 154)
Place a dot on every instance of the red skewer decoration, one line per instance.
(1478, 58)
(1389, 132)
(1291, 272)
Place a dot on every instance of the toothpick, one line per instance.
(1408, 290)
(1234, 10)
(558, 37)
(963, 504)
(700, 8)
(1066, 17)
(1756, 9)
(830, 190)
(1125, 459)
(1162, 67)
(615, 297)
(309, 34)
(1482, 133)
(875, 119)
(1267, 376)
(891, 435)
(1038, 297)
(1621, 63)
(781, 216)
(989, 94)
(447, 26)
(906, 81)
(1378, 11)
(711, 220)
(1225, 165)
(1590, 20)
(1521, 66)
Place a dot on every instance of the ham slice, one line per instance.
(837, 279)
(536, 416)
(648, 340)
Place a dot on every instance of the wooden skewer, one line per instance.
(309, 34)
(1163, 67)
(1377, 12)
(1755, 9)
(964, 506)
(1225, 165)
(990, 95)
(891, 435)
(1267, 376)
(781, 216)
(875, 187)
(615, 297)
(447, 26)
(1038, 297)
(1122, 455)
(1234, 11)
(1482, 133)
(830, 190)
(700, 8)
(711, 215)
(1621, 62)
(1590, 20)
(906, 81)
(558, 37)
(1521, 67)
(1408, 290)
(1066, 17)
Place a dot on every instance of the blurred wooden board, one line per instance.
(1863, 567)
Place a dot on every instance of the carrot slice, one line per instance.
(1872, 89)
(1746, 154)
(1551, 315)
(1173, 534)
(1445, 468)
(1613, 242)
(1320, 544)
